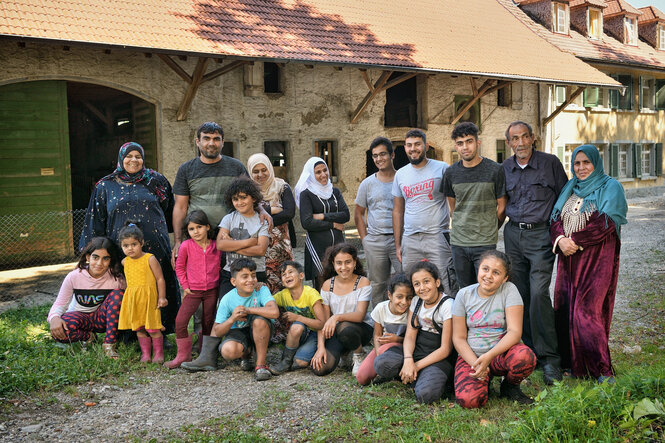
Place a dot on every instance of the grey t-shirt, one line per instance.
(425, 206)
(241, 228)
(206, 183)
(377, 197)
(485, 317)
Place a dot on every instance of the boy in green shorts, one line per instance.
(304, 310)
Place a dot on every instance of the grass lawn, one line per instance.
(575, 410)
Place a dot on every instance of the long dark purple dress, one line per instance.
(584, 293)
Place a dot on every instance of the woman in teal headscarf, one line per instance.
(585, 230)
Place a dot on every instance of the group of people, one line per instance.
(443, 309)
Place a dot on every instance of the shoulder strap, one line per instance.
(332, 283)
(355, 285)
(436, 325)
(419, 303)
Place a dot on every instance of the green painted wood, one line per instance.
(34, 141)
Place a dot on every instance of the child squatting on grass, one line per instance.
(346, 294)
(197, 268)
(244, 319)
(90, 297)
(427, 357)
(390, 318)
(304, 313)
(145, 294)
(487, 327)
(241, 233)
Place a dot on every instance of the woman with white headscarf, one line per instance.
(323, 213)
(278, 195)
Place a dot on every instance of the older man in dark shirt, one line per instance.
(533, 182)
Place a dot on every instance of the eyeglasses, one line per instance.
(380, 155)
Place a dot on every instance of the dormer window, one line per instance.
(595, 23)
(661, 37)
(631, 30)
(560, 18)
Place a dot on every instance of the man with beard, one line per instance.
(475, 187)
(420, 210)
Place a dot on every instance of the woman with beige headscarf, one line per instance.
(278, 196)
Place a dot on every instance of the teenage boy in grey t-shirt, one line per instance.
(375, 199)
(420, 210)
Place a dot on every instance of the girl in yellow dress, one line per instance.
(145, 294)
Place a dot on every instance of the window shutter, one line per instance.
(630, 161)
(614, 160)
(614, 94)
(637, 160)
(658, 155)
(641, 94)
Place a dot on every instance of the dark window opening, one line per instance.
(228, 149)
(503, 97)
(271, 78)
(625, 101)
(277, 153)
(472, 114)
(500, 151)
(401, 109)
(327, 150)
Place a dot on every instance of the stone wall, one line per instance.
(316, 104)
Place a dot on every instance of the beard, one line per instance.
(420, 158)
(209, 155)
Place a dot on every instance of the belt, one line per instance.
(529, 225)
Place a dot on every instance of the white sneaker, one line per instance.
(357, 361)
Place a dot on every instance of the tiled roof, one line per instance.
(650, 13)
(477, 37)
(597, 3)
(608, 50)
(616, 7)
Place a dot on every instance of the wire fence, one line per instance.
(39, 239)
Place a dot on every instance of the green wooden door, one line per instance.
(35, 188)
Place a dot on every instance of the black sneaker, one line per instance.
(514, 393)
(551, 374)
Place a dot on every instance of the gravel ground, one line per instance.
(158, 404)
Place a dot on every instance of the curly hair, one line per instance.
(111, 248)
(243, 185)
(328, 261)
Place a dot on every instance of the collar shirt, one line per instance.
(533, 190)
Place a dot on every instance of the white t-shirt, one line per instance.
(425, 206)
(391, 323)
(343, 304)
(444, 313)
(376, 197)
(242, 228)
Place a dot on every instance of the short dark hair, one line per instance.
(416, 133)
(111, 248)
(518, 123)
(464, 129)
(244, 185)
(131, 230)
(381, 141)
(499, 256)
(294, 264)
(328, 261)
(399, 279)
(240, 264)
(427, 266)
(200, 218)
(209, 128)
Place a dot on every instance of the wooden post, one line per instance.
(197, 78)
(563, 105)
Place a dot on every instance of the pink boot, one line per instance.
(158, 350)
(145, 344)
(184, 352)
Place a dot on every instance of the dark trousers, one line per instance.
(532, 259)
(466, 260)
(189, 305)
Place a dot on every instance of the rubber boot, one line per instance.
(145, 343)
(158, 350)
(184, 352)
(285, 363)
(207, 359)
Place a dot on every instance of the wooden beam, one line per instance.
(474, 88)
(563, 105)
(481, 92)
(197, 79)
(370, 95)
(96, 112)
(176, 67)
(223, 70)
(368, 82)
(398, 80)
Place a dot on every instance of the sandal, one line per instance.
(109, 350)
(262, 373)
